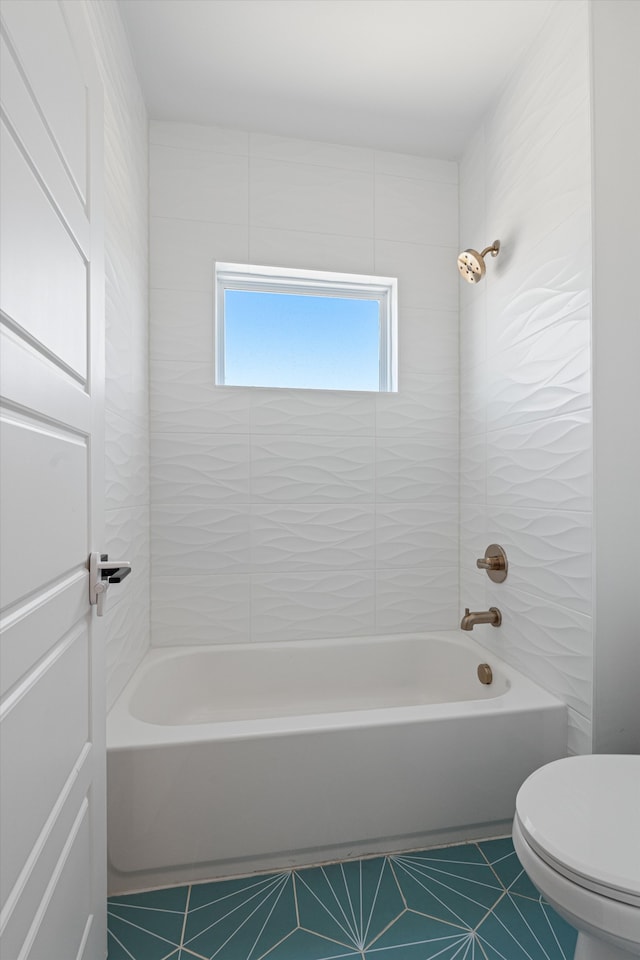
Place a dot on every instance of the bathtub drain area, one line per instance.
(466, 902)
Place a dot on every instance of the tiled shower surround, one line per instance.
(282, 514)
(525, 352)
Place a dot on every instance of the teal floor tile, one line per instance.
(350, 902)
(522, 929)
(505, 863)
(303, 945)
(245, 923)
(416, 937)
(467, 902)
(450, 884)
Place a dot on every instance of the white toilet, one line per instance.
(577, 835)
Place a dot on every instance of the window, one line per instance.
(305, 329)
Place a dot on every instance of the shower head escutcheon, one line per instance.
(471, 263)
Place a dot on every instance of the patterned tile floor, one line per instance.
(467, 902)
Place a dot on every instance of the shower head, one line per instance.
(471, 263)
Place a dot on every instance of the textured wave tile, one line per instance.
(420, 599)
(416, 535)
(181, 325)
(551, 82)
(579, 734)
(544, 376)
(416, 211)
(299, 248)
(473, 542)
(413, 469)
(127, 637)
(425, 406)
(542, 284)
(428, 344)
(473, 400)
(473, 469)
(125, 464)
(290, 150)
(198, 185)
(549, 553)
(545, 464)
(200, 137)
(454, 903)
(473, 333)
(425, 277)
(193, 540)
(312, 412)
(417, 168)
(290, 606)
(185, 400)
(304, 196)
(127, 538)
(550, 644)
(312, 469)
(199, 468)
(540, 186)
(293, 537)
(197, 609)
(183, 252)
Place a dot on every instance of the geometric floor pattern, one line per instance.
(467, 902)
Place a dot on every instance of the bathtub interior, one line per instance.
(196, 685)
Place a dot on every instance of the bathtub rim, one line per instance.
(126, 732)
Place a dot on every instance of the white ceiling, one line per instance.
(411, 76)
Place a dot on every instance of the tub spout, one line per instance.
(492, 616)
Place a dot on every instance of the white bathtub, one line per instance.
(228, 759)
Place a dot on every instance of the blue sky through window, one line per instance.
(292, 340)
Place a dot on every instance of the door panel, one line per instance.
(36, 29)
(44, 275)
(43, 536)
(52, 816)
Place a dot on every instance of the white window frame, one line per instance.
(242, 276)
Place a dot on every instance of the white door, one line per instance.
(52, 817)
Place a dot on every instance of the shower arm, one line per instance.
(494, 249)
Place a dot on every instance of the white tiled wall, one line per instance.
(126, 402)
(525, 354)
(282, 514)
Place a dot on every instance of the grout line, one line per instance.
(186, 913)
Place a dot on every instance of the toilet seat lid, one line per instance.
(582, 815)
